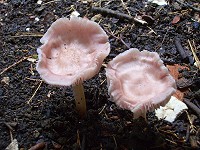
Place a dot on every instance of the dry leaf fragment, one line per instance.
(176, 19)
(174, 71)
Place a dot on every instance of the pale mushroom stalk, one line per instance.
(79, 96)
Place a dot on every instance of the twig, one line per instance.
(193, 131)
(163, 39)
(11, 135)
(180, 48)
(118, 38)
(118, 15)
(103, 81)
(169, 133)
(171, 141)
(30, 100)
(124, 42)
(102, 109)
(9, 126)
(4, 70)
(27, 35)
(125, 7)
(115, 141)
(191, 121)
(38, 146)
(192, 106)
(10, 130)
(194, 54)
(188, 5)
(78, 141)
(151, 31)
(53, 1)
(187, 133)
(32, 79)
(83, 142)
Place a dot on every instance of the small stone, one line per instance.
(196, 25)
(31, 60)
(36, 133)
(158, 2)
(96, 17)
(39, 9)
(27, 29)
(32, 17)
(74, 14)
(5, 80)
(39, 2)
(20, 71)
(37, 19)
(84, 2)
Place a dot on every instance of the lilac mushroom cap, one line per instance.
(73, 50)
(139, 81)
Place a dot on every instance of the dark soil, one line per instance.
(51, 117)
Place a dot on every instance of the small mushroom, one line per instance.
(73, 51)
(139, 81)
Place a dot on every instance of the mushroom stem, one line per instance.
(143, 115)
(78, 91)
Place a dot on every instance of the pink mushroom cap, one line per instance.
(139, 81)
(73, 50)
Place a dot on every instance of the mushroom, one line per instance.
(139, 81)
(73, 51)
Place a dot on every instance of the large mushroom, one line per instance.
(73, 50)
(139, 81)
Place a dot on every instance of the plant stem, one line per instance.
(78, 91)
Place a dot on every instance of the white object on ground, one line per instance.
(158, 2)
(13, 145)
(74, 14)
(37, 19)
(171, 110)
(27, 29)
(39, 2)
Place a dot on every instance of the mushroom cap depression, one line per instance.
(139, 81)
(73, 50)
